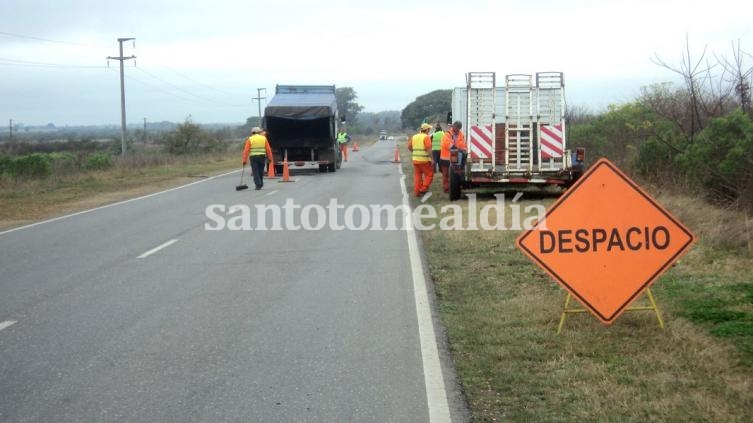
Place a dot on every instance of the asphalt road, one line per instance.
(217, 326)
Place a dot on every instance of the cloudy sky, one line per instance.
(206, 59)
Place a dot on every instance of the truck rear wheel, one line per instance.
(455, 188)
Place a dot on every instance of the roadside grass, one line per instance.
(27, 200)
(501, 314)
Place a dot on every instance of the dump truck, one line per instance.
(302, 123)
(515, 134)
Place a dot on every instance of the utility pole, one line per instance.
(144, 130)
(10, 128)
(259, 98)
(121, 59)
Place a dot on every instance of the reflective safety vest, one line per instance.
(436, 140)
(419, 150)
(342, 137)
(258, 145)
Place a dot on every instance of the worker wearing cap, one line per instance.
(423, 166)
(342, 140)
(452, 138)
(436, 146)
(257, 151)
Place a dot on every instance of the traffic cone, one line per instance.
(355, 147)
(397, 155)
(271, 171)
(285, 170)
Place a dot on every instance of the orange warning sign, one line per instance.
(606, 240)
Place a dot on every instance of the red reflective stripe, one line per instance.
(483, 149)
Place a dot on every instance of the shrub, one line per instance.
(63, 162)
(189, 138)
(720, 159)
(36, 165)
(98, 161)
(6, 164)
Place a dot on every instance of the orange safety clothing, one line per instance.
(444, 167)
(420, 146)
(257, 145)
(423, 175)
(449, 137)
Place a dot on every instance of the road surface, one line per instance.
(135, 312)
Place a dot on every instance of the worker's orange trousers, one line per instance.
(344, 151)
(444, 166)
(423, 174)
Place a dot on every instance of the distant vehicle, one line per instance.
(302, 121)
(382, 135)
(390, 138)
(527, 147)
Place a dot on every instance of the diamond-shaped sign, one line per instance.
(606, 240)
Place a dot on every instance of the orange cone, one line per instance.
(285, 170)
(355, 147)
(397, 155)
(271, 171)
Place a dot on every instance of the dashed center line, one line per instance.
(271, 192)
(155, 249)
(7, 323)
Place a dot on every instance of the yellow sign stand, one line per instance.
(653, 306)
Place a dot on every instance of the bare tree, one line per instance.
(693, 74)
(717, 93)
(577, 114)
(740, 76)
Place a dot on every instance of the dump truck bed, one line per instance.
(301, 122)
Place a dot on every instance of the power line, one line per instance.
(47, 40)
(203, 98)
(26, 63)
(157, 88)
(198, 82)
(151, 75)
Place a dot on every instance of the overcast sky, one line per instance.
(206, 59)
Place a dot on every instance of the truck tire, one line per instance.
(332, 167)
(455, 186)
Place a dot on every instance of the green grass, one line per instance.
(721, 304)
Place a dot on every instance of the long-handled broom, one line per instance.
(242, 186)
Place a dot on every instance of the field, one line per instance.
(501, 314)
(27, 200)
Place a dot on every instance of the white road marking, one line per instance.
(436, 393)
(114, 204)
(233, 209)
(271, 192)
(7, 323)
(155, 249)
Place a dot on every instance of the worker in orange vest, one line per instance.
(423, 172)
(257, 151)
(452, 138)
